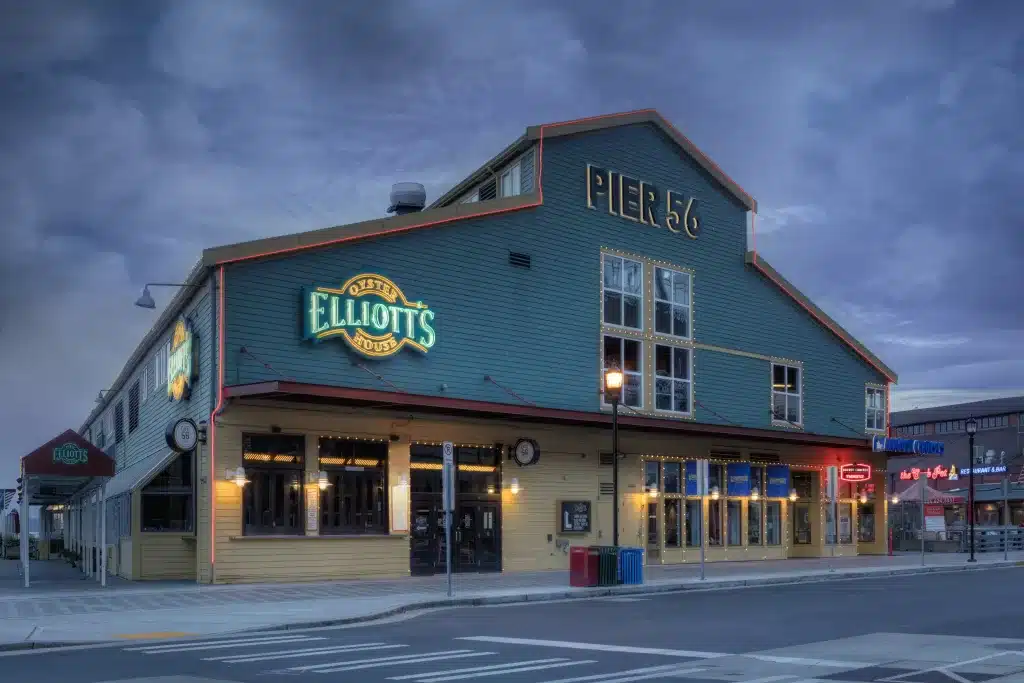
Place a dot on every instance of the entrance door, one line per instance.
(426, 545)
(477, 538)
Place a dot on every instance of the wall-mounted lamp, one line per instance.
(653, 492)
(863, 499)
(490, 488)
(322, 481)
(715, 493)
(513, 488)
(792, 495)
(755, 495)
(895, 500)
(236, 475)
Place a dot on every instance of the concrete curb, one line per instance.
(558, 595)
(590, 593)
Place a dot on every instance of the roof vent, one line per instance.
(518, 259)
(407, 198)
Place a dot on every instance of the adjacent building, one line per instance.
(286, 418)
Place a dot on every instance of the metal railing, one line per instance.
(993, 539)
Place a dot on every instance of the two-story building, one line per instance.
(284, 420)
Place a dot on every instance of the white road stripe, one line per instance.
(419, 660)
(631, 675)
(625, 649)
(807, 661)
(180, 647)
(408, 677)
(314, 667)
(502, 672)
(291, 654)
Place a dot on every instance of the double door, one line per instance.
(476, 536)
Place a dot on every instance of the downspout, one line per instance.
(217, 401)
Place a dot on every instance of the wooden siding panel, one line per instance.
(166, 556)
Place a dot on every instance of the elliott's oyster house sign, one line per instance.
(70, 454)
(371, 314)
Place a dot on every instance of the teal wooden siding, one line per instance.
(537, 331)
(147, 444)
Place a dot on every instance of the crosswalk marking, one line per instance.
(631, 675)
(412, 659)
(219, 644)
(291, 654)
(374, 660)
(502, 672)
(408, 677)
(567, 645)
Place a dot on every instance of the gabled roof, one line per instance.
(442, 212)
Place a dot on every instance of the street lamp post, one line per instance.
(972, 428)
(612, 394)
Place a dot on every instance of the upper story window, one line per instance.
(161, 364)
(672, 302)
(133, 407)
(787, 386)
(510, 181)
(672, 384)
(874, 409)
(623, 290)
(119, 422)
(950, 427)
(910, 430)
(994, 422)
(627, 355)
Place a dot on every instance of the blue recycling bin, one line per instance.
(631, 566)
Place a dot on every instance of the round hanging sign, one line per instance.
(182, 435)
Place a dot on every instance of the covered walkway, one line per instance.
(67, 476)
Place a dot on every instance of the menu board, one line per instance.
(574, 516)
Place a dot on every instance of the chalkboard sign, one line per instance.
(574, 516)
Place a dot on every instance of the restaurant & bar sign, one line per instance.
(371, 314)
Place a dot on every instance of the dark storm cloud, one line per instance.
(881, 139)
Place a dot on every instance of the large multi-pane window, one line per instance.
(755, 506)
(693, 522)
(627, 356)
(273, 499)
(715, 514)
(673, 522)
(623, 292)
(354, 501)
(773, 522)
(673, 479)
(874, 409)
(786, 394)
(672, 386)
(672, 303)
(168, 502)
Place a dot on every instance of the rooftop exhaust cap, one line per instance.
(407, 198)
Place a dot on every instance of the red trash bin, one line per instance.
(578, 566)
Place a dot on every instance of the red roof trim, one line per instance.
(457, 405)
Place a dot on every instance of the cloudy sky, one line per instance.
(882, 140)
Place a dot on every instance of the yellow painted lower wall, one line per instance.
(124, 554)
(569, 469)
(165, 556)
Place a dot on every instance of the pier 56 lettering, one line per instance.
(371, 314)
(641, 202)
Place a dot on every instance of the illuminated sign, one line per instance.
(371, 314)
(883, 444)
(182, 363)
(641, 202)
(855, 472)
(937, 472)
(985, 469)
(70, 454)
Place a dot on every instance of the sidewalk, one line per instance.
(40, 618)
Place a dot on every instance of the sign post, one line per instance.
(1006, 516)
(702, 491)
(924, 491)
(832, 492)
(448, 502)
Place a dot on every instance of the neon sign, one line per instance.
(371, 314)
(855, 472)
(880, 444)
(937, 472)
(70, 454)
(182, 365)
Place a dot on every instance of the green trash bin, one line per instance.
(608, 566)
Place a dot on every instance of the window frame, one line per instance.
(186, 491)
(134, 406)
(294, 471)
(625, 373)
(869, 390)
(337, 472)
(799, 395)
(680, 524)
(689, 380)
(672, 304)
(621, 326)
(514, 172)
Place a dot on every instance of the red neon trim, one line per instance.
(821, 320)
(213, 416)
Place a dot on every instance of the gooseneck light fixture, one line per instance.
(972, 429)
(236, 475)
(792, 495)
(145, 299)
(613, 393)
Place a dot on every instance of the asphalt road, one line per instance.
(942, 628)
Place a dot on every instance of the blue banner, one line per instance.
(883, 444)
(778, 481)
(737, 479)
(691, 479)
